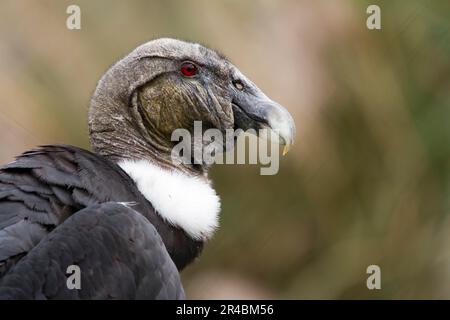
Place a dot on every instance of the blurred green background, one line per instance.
(368, 179)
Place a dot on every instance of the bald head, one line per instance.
(167, 84)
(178, 50)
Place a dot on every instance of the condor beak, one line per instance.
(254, 110)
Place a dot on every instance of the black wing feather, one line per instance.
(108, 242)
(42, 195)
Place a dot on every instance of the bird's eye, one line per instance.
(238, 85)
(188, 69)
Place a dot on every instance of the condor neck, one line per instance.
(117, 144)
(187, 202)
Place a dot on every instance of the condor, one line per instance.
(125, 214)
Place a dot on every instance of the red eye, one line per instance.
(188, 69)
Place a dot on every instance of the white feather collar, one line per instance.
(183, 201)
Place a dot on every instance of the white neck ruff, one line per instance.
(187, 202)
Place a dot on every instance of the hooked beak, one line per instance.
(254, 110)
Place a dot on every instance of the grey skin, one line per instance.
(144, 97)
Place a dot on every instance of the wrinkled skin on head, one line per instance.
(144, 97)
(172, 101)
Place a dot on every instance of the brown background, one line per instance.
(368, 179)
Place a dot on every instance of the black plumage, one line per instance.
(108, 242)
(53, 203)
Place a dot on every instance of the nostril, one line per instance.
(238, 84)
